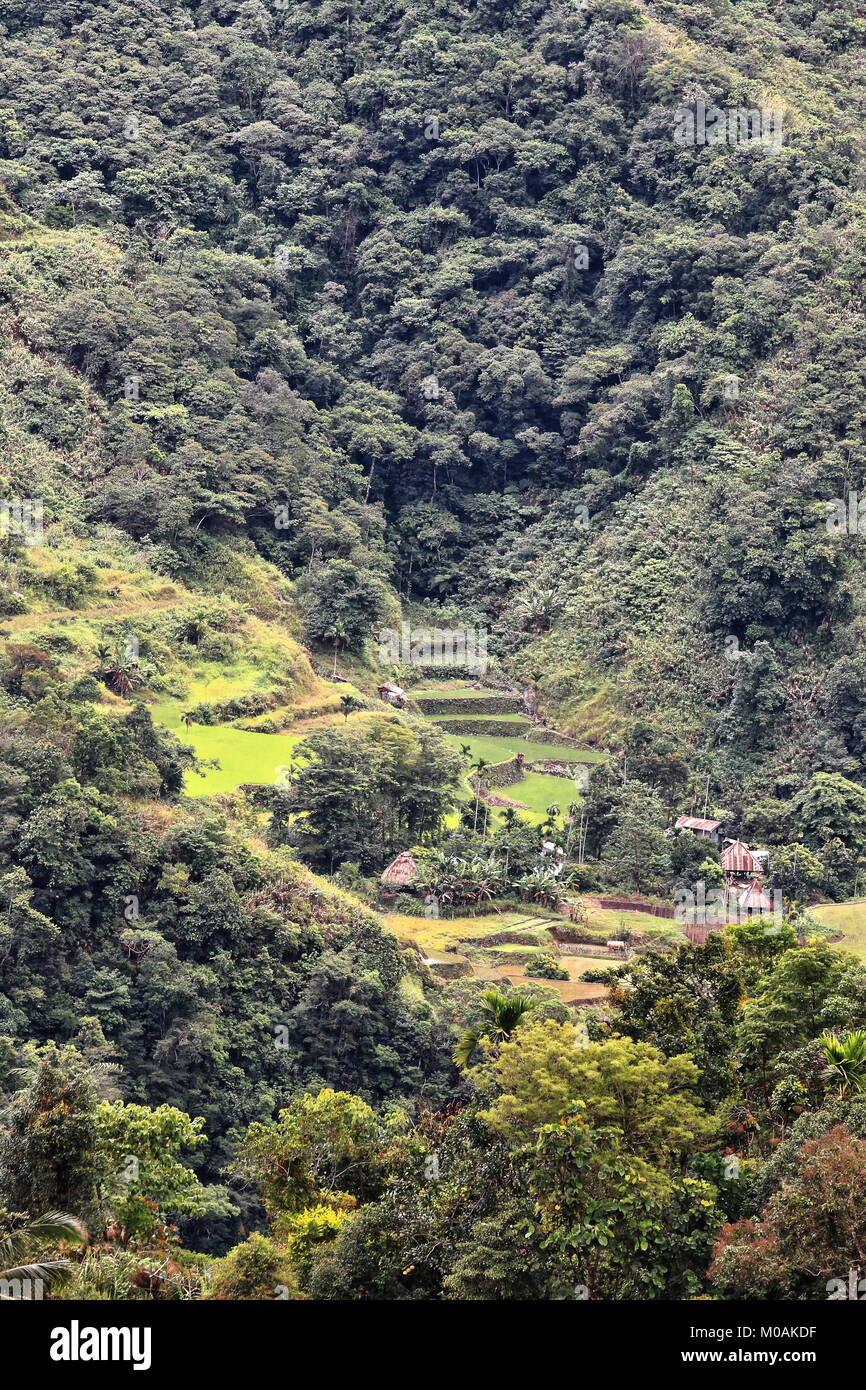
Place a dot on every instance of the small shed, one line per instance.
(392, 695)
(754, 898)
(400, 873)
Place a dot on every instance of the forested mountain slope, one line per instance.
(448, 271)
(316, 315)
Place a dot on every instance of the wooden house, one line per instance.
(754, 898)
(698, 825)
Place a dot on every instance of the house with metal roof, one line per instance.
(754, 898)
(392, 694)
(738, 862)
(699, 825)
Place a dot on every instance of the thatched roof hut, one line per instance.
(400, 871)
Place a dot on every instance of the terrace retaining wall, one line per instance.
(559, 769)
(481, 704)
(496, 728)
(499, 775)
(638, 905)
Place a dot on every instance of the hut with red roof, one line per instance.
(699, 825)
(739, 863)
(754, 898)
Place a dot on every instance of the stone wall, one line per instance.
(553, 736)
(513, 938)
(563, 932)
(637, 905)
(496, 728)
(499, 774)
(481, 704)
(449, 969)
(551, 768)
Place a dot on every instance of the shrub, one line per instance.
(85, 690)
(203, 713)
(306, 1232)
(257, 1269)
(12, 603)
(219, 647)
(545, 967)
(407, 905)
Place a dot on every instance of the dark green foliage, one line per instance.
(366, 791)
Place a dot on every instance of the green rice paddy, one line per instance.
(243, 756)
(246, 756)
(498, 750)
(848, 918)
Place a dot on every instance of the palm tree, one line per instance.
(348, 705)
(539, 607)
(54, 1226)
(121, 672)
(846, 1059)
(572, 810)
(500, 1015)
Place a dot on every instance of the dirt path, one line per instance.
(24, 621)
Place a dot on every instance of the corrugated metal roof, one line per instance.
(754, 896)
(697, 823)
(739, 859)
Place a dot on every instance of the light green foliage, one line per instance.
(631, 1087)
(143, 1176)
(258, 1269)
(320, 1145)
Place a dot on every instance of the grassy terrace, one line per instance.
(434, 935)
(510, 724)
(849, 919)
(537, 790)
(499, 750)
(450, 942)
(609, 921)
(449, 690)
(570, 990)
(243, 756)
